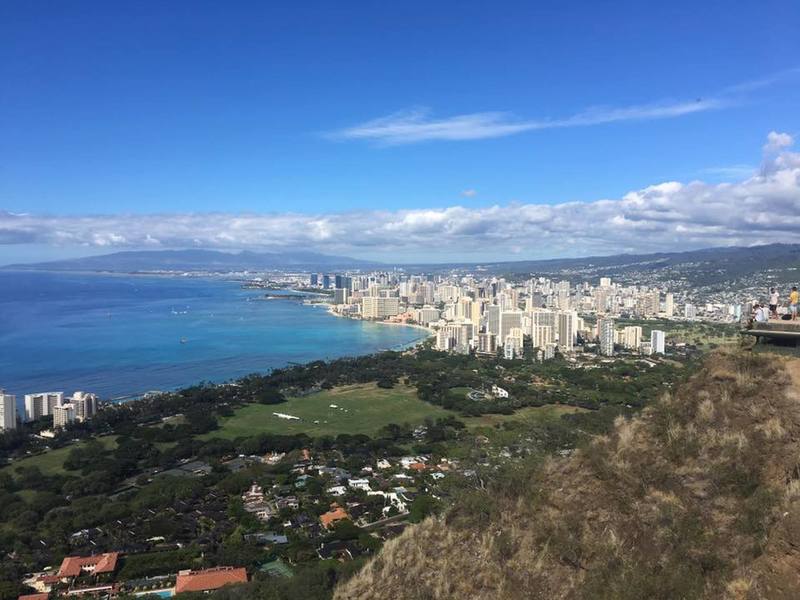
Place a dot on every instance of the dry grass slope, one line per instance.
(697, 498)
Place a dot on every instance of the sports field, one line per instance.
(356, 409)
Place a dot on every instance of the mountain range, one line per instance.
(198, 260)
(694, 266)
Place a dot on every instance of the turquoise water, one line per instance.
(121, 335)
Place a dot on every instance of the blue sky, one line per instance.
(246, 108)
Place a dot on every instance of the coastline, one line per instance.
(430, 332)
(214, 312)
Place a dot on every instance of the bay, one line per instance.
(124, 335)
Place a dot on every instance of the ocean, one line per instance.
(123, 335)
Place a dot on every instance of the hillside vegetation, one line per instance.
(699, 497)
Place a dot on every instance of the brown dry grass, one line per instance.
(697, 498)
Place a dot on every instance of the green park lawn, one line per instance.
(360, 409)
(531, 415)
(51, 462)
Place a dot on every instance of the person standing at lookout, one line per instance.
(794, 298)
(773, 303)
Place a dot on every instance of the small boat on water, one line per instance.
(184, 340)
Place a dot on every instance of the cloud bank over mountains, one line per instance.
(762, 208)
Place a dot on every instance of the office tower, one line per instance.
(669, 305)
(85, 405)
(567, 321)
(326, 281)
(375, 307)
(8, 411)
(632, 337)
(606, 334)
(63, 415)
(657, 341)
(41, 404)
(340, 296)
(313, 279)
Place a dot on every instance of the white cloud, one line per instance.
(777, 141)
(730, 171)
(417, 125)
(469, 193)
(764, 207)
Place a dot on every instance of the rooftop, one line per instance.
(72, 566)
(329, 518)
(209, 579)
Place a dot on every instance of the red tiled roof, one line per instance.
(329, 518)
(209, 579)
(34, 597)
(71, 566)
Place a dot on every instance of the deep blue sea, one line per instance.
(121, 335)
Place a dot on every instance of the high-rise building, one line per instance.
(509, 319)
(512, 345)
(541, 335)
(606, 334)
(376, 307)
(601, 300)
(427, 315)
(567, 322)
(63, 415)
(326, 281)
(653, 303)
(632, 337)
(340, 296)
(85, 405)
(657, 341)
(476, 313)
(41, 404)
(605, 282)
(493, 319)
(487, 343)
(669, 305)
(314, 279)
(8, 411)
(690, 311)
